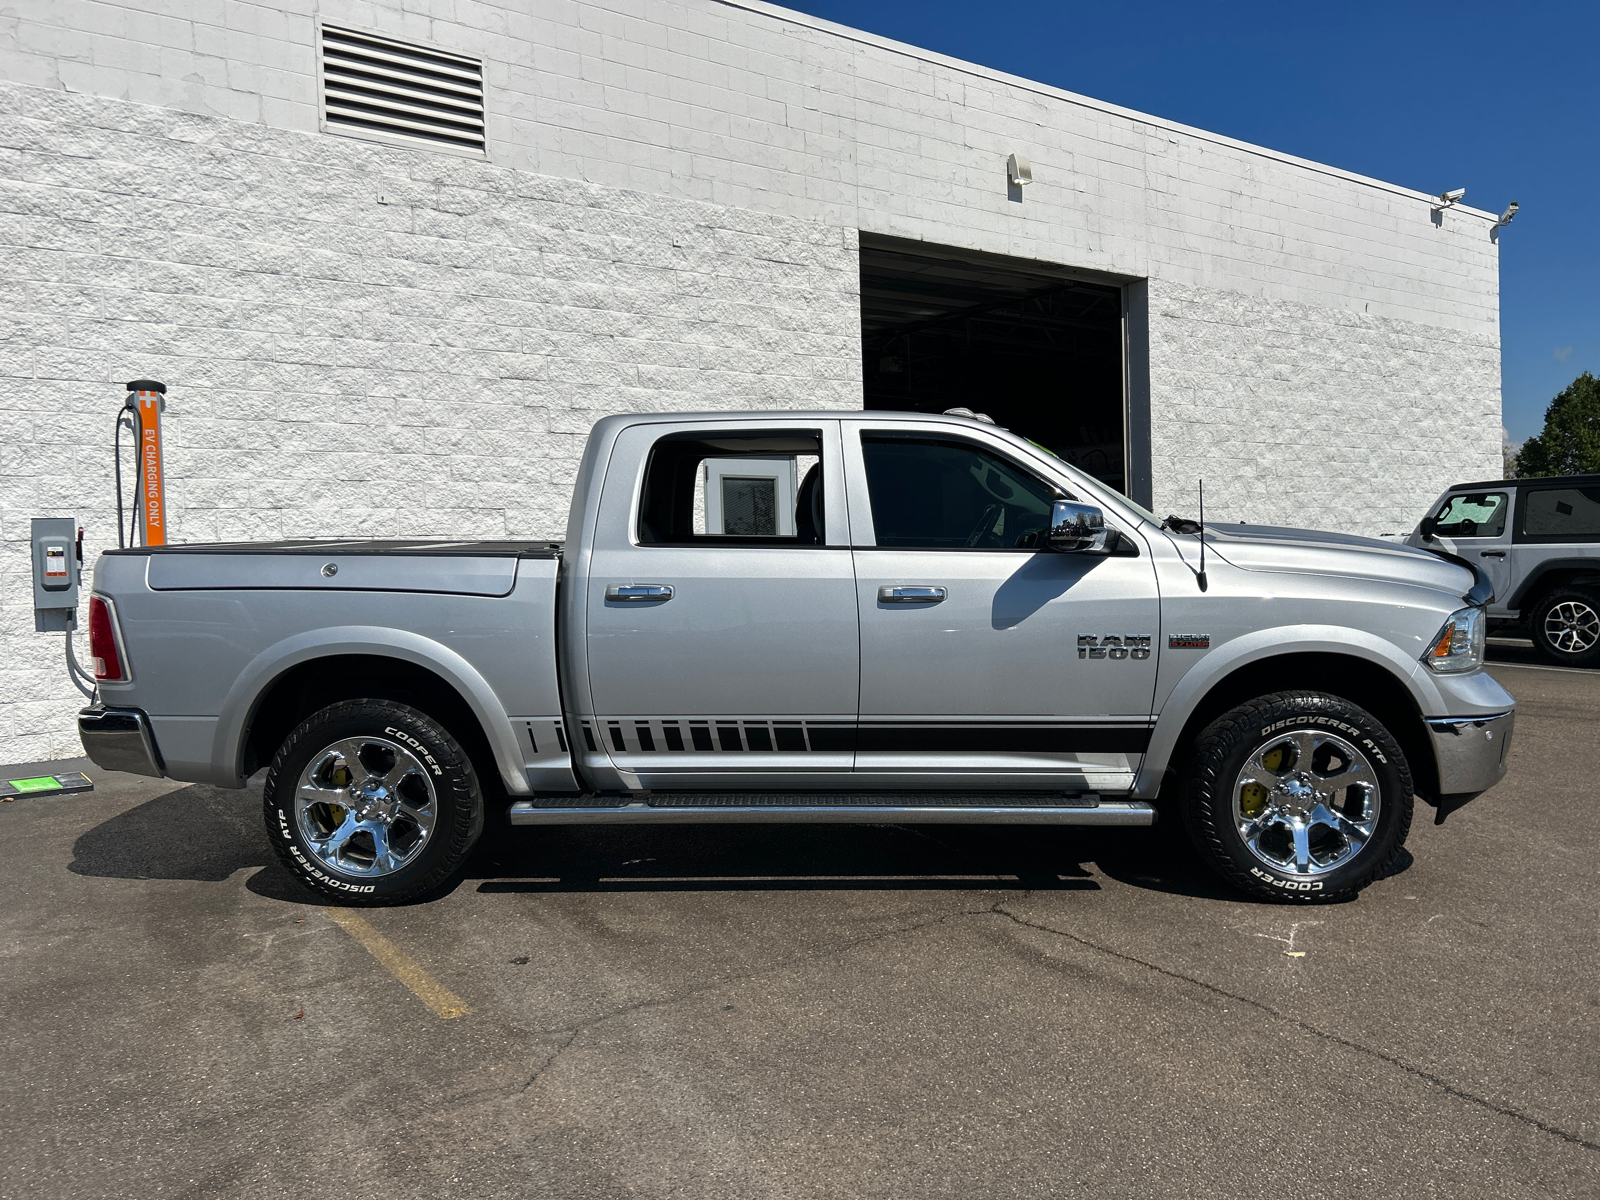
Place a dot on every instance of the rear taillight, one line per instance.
(108, 665)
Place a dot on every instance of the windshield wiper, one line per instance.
(1182, 525)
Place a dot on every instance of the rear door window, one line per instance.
(1561, 514)
(734, 489)
(1473, 514)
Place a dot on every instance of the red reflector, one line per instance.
(103, 643)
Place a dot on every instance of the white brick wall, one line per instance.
(668, 219)
(429, 366)
(1305, 416)
(748, 105)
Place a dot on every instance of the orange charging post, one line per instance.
(149, 400)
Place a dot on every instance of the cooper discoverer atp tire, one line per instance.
(1299, 797)
(372, 802)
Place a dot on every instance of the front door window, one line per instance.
(952, 495)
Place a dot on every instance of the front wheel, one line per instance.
(1566, 627)
(372, 802)
(1298, 796)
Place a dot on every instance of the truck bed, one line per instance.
(221, 635)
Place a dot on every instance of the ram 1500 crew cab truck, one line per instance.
(811, 617)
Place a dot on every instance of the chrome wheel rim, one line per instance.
(1306, 802)
(1572, 627)
(365, 806)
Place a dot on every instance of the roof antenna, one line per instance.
(1200, 578)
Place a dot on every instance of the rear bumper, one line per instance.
(1471, 751)
(119, 739)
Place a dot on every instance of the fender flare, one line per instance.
(1259, 646)
(265, 668)
(1533, 584)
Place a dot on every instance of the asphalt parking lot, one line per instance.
(806, 1011)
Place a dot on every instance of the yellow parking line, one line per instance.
(440, 999)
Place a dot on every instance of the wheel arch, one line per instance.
(1373, 685)
(288, 682)
(1556, 573)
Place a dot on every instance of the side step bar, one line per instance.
(696, 810)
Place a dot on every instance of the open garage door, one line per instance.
(1038, 350)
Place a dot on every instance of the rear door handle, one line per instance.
(910, 595)
(1492, 554)
(639, 593)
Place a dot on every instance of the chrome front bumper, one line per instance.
(1471, 752)
(119, 739)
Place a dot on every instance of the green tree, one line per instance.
(1570, 441)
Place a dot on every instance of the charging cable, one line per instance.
(125, 418)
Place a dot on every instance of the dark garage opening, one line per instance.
(1024, 342)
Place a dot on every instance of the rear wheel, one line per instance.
(1566, 626)
(372, 802)
(1298, 796)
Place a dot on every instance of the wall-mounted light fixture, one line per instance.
(1019, 170)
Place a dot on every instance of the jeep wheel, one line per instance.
(1298, 796)
(1566, 626)
(372, 802)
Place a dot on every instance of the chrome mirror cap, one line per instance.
(1076, 527)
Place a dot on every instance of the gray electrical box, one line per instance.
(56, 573)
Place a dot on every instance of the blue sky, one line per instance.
(1502, 99)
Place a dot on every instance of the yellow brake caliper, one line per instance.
(1253, 796)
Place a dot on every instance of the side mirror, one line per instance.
(1427, 527)
(1076, 527)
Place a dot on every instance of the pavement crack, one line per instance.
(1401, 1064)
(551, 1060)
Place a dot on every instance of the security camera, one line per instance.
(1511, 211)
(1446, 199)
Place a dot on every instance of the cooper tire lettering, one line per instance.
(457, 797)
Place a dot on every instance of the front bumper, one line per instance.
(119, 739)
(1471, 752)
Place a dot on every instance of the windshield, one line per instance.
(1141, 510)
(1079, 476)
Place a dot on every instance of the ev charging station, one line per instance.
(56, 547)
(147, 400)
(56, 543)
(141, 416)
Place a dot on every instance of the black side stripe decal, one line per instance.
(1001, 738)
(758, 736)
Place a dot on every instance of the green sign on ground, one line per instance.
(43, 784)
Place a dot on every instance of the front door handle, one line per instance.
(639, 593)
(910, 595)
(1492, 554)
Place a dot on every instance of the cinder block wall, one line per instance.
(370, 340)
(427, 364)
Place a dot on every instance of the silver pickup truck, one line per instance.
(868, 617)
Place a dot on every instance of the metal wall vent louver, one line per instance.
(371, 85)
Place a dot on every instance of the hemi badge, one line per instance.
(1189, 641)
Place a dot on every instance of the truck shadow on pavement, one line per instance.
(207, 835)
(835, 858)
